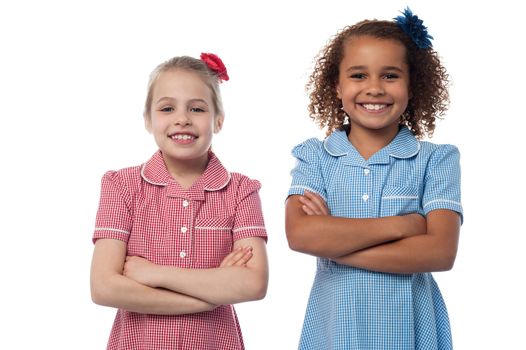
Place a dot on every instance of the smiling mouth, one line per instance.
(183, 137)
(374, 106)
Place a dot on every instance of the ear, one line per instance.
(218, 123)
(147, 123)
(338, 91)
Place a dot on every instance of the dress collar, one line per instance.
(404, 145)
(214, 178)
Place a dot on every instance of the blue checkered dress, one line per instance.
(351, 308)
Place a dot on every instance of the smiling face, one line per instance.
(182, 119)
(373, 84)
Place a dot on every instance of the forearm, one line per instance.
(122, 292)
(434, 251)
(109, 287)
(329, 236)
(222, 285)
(241, 276)
(409, 255)
(311, 229)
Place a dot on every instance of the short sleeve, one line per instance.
(248, 217)
(114, 219)
(442, 182)
(307, 175)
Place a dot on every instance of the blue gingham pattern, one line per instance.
(351, 308)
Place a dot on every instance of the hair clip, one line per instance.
(216, 65)
(414, 27)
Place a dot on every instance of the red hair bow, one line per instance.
(215, 64)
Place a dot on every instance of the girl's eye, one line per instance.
(357, 76)
(197, 110)
(391, 76)
(167, 109)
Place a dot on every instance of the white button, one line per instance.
(184, 229)
(366, 171)
(182, 254)
(185, 203)
(365, 197)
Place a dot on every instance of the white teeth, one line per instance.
(374, 107)
(182, 137)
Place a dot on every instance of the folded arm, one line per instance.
(434, 251)
(109, 287)
(317, 233)
(227, 284)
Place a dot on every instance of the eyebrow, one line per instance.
(395, 68)
(172, 99)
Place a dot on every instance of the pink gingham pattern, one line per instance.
(187, 228)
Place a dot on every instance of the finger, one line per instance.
(310, 207)
(307, 210)
(245, 257)
(316, 198)
(320, 203)
(231, 258)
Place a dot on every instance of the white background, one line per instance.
(72, 84)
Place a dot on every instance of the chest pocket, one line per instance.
(399, 201)
(213, 240)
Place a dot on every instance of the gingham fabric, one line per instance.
(351, 308)
(168, 225)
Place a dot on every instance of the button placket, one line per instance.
(184, 229)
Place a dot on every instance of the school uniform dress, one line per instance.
(351, 308)
(187, 228)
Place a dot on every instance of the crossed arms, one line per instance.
(137, 285)
(395, 244)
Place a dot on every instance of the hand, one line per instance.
(313, 204)
(140, 270)
(238, 257)
(414, 224)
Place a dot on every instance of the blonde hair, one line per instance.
(191, 64)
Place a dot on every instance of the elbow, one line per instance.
(97, 296)
(297, 241)
(445, 262)
(259, 288)
(448, 264)
(256, 289)
(259, 293)
(100, 293)
(295, 244)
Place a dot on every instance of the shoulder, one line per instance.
(439, 159)
(434, 150)
(313, 145)
(129, 174)
(309, 150)
(243, 185)
(123, 180)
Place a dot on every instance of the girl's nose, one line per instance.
(375, 88)
(181, 118)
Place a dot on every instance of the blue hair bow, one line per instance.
(414, 27)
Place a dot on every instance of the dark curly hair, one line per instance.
(428, 80)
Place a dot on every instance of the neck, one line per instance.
(186, 171)
(368, 142)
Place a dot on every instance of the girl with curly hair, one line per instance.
(379, 207)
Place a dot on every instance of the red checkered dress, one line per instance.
(168, 225)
